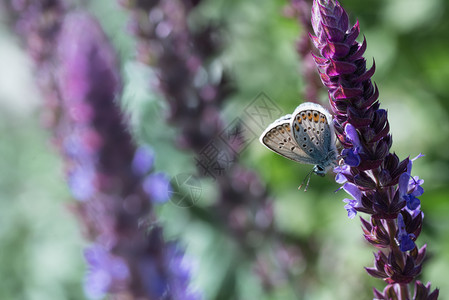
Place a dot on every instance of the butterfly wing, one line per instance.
(312, 130)
(279, 139)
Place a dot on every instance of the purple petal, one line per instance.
(418, 181)
(345, 169)
(412, 202)
(352, 135)
(406, 243)
(342, 171)
(418, 156)
(409, 167)
(403, 184)
(350, 207)
(340, 178)
(353, 190)
(351, 157)
(414, 212)
(401, 224)
(418, 191)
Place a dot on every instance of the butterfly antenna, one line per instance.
(308, 180)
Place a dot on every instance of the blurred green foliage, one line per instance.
(41, 247)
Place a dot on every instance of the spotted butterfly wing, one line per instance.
(312, 130)
(279, 139)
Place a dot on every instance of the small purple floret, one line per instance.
(410, 187)
(351, 157)
(350, 207)
(405, 239)
(352, 190)
(342, 171)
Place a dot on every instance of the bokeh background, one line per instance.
(40, 242)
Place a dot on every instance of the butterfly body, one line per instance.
(306, 136)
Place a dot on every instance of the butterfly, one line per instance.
(306, 136)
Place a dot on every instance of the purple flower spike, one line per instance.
(381, 184)
(79, 75)
(182, 54)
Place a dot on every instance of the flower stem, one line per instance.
(397, 253)
(404, 293)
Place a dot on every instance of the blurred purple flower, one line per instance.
(81, 181)
(143, 160)
(180, 268)
(157, 186)
(78, 73)
(106, 272)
